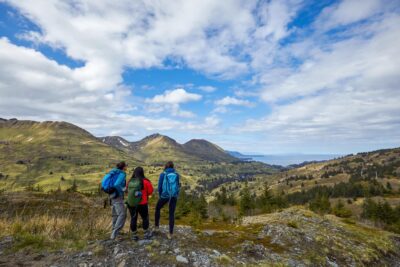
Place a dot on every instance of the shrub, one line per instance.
(320, 204)
(341, 211)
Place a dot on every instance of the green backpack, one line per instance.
(134, 193)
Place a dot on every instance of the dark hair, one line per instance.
(169, 164)
(138, 173)
(121, 165)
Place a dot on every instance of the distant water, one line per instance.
(285, 160)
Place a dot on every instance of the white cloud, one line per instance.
(177, 96)
(228, 100)
(349, 11)
(339, 84)
(207, 88)
(142, 34)
(170, 101)
(34, 87)
(345, 92)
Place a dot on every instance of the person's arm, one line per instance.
(160, 182)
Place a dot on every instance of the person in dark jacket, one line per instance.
(168, 190)
(142, 209)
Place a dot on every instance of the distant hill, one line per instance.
(239, 155)
(157, 149)
(51, 154)
(380, 166)
(207, 150)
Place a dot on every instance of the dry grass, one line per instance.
(52, 225)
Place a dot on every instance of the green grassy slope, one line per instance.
(207, 151)
(41, 153)
(53, 154)
(157, 149)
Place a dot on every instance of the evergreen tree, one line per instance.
(389, 186)
(246, 203)
(201, 207)
(183, 205)
(320, 204)
(74, 187)
(340, 210)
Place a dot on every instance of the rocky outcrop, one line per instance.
(293, 237)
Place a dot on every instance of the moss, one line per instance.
(292, 224)
(226, 240)
(224, 260)
(99, 250)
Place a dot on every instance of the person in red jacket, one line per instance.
(142, 209)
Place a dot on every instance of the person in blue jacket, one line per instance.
(168, 190)
(117, 199)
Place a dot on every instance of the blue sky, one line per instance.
(267, 77)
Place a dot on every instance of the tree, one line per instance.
(222, 197)
(74, 187)
(320, 204)
(183, 206)
(370, 209)
(246, 203)
(389, 186)
(340, 210)
(201, 206)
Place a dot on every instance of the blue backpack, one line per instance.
(170, 186)
(107, 184)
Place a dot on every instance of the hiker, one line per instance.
(114, 184)
(168, 190)
(139, 189)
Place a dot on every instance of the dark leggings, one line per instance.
(172, 205)
(143, 210)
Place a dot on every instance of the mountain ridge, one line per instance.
(194, 149)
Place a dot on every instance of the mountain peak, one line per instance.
(158, 137)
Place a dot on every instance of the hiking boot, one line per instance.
(148, 234)
(169, 236)
(135, 236)
(156, 231)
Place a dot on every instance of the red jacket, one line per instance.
(147, 191)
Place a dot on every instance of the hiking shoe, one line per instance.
(148, 234)
(135, 236)
(169, 236)
(156, 231)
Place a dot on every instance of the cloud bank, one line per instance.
(322, 78)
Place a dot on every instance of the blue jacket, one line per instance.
(161, 179)
(120, 182)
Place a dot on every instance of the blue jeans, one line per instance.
(172, 205)
(118, 215)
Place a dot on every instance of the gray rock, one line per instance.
(122, 263)
(182, 259)
(120, 256)
(177, 250)
(144, 242)
(116, 250)
(216, 252)
(209, 232)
